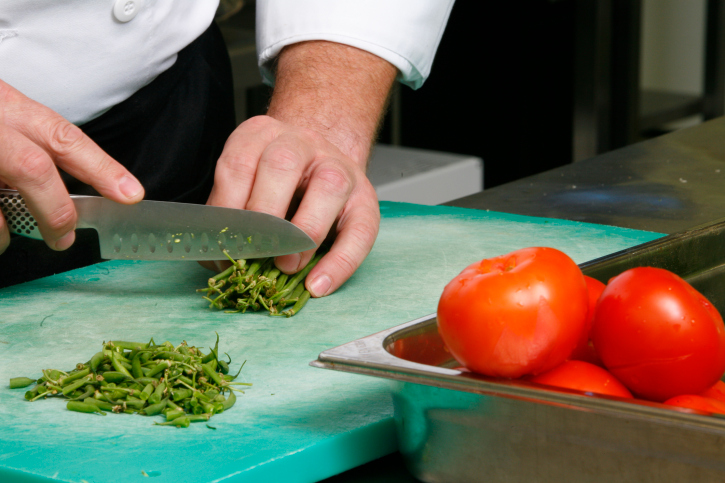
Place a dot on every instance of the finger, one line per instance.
(73, 151)
(4, 235)
(27, 167)
(237, 166)
(279, 173)
(328, 190)
(357, 230)
(216, 266)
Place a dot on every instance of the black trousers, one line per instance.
(169, 135)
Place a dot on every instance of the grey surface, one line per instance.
(422, 176)
(665, 185)
(390, 163)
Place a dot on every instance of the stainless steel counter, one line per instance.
(666, 184)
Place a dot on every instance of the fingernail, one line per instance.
(289, 263)
(319, 286)
(130, 186)
(66, 241)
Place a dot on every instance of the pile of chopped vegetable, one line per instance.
(256, 284)
(181, 382)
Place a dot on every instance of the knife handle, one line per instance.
(17, 216)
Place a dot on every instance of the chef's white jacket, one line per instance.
(82, 57)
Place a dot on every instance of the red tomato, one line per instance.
(658, 335)
(692, 401)
(583, 376)
(584, 350)
(515, 314)
(715, 392)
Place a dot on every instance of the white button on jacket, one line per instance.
(125, 10)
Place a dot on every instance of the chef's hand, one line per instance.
(34, 142)
(314, 143)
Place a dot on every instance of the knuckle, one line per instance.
(315, 228)
(345, 263)
(258, 122)
(31, 166)
(63, 218)
(65, 138)
(334, 180)
(364, 233)
(234, 168)
(284, 158)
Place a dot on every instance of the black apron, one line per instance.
(170, 133)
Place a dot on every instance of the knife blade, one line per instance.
(161, 230)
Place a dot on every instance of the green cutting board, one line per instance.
(296, 423)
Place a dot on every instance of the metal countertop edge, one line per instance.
(666, 185)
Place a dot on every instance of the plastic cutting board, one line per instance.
(296, 423)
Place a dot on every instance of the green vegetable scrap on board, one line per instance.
(181, 383)
(256, 284)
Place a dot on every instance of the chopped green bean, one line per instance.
(182, 422)
(158, 393)
(104, 405)
(160, 367)
(128, 345)
(136, 366)
(18, 382)
(256, 286)
(174, 413)
(83, 407)
(154, 409)
(181, 383)
(231, 399)
(96, 361)
(117, 364)
(147, 391)
(182, 394)
(29, 395)
(77, 384)
(115, 377)
(64, 381)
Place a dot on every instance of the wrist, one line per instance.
(339, 91)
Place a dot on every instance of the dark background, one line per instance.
(501, 88)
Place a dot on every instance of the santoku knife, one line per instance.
(160, 230)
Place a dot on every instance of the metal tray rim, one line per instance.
(367, 356)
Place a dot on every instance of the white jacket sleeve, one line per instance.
(406, 33)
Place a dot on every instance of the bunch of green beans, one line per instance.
(179, 382)
(256, 284)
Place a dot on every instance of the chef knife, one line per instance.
(160, 230)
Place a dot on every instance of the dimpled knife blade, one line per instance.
(160, 230)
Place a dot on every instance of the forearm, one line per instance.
(334, 89)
